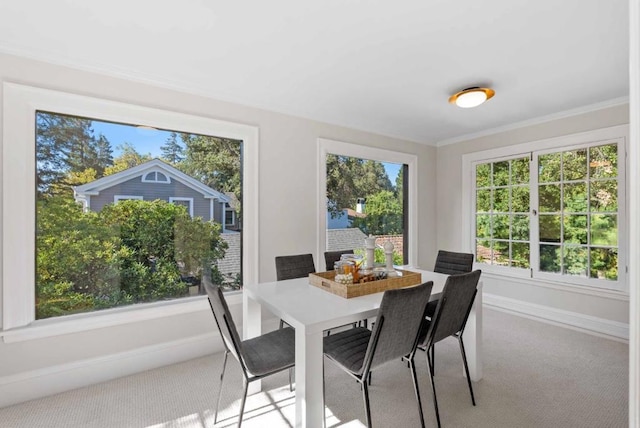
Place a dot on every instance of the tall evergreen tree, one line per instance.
(172, 150)
(67, 144)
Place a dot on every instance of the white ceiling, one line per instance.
(378, 65)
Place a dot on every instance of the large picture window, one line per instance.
(117, 217)
(366, 197)
(554, 213)
(365, 190)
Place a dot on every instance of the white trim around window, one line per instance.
(117, 198)
(155, 173)
(178, 199)
(617, 134)
(326, 146)
(20, 105)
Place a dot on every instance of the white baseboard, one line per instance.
(39, 383)
(588, 324)
(52, 380)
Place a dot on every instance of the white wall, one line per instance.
(287, 176)
(602, 312)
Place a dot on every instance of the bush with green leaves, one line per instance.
(130, 252)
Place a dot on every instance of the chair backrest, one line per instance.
(223, 318)
(453, 263)
(395, 333)
(453, 307)
(296, 266)
(331, 257)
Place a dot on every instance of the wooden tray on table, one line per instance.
(325, 281)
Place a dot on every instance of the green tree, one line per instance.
(129, 157)
(172, 151)
(350, 178)
(78, 259)
(130, 252)
(384, 215)
(67, 144)
(215, 161)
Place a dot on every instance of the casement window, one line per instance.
(554, 214)
(49, 220)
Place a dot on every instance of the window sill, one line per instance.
(562, 286)
(110, 317)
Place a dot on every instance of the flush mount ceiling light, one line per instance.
(471, 97)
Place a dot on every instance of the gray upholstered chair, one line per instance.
(258, 357)
(450, 263)
(296, 266)
(331, 257)
(453, 263)
(450, 319)
(395, 334)
(292, 267)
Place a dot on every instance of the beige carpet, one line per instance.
(536, 375)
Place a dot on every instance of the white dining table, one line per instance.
(311, 310)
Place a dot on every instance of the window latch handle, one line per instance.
(534, 212)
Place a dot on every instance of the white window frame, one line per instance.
(117, 198)
(20, 104)
(155, 180)
(618, 134)
(326, 147)
(190, 200)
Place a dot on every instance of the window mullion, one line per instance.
(534, 224)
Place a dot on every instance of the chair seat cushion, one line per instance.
(271, 352)
(348, 348)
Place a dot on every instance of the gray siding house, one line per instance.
(155, 180)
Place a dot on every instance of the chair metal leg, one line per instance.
(466, 369)
(242, 403)
(224, 366)
(433, 388)
(417, 390)
(324, 398)
(290, 379)
(433, 358)
(365, 394)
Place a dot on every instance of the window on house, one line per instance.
(155, 177)
(554, 212)
(229, 216)
(117, 198)
(187, 203)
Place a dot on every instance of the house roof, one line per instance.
(96, 186)
(345, 239)
(354, 213)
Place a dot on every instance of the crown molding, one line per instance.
(536, 121)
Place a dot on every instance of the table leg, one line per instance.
(251, 327)
(472, 337)
(309, 398)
